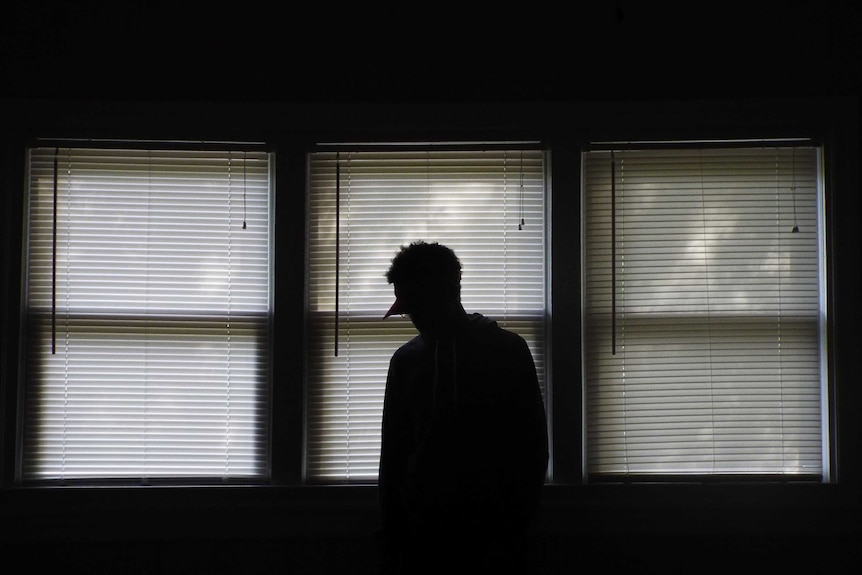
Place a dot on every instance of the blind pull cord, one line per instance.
(54, 262)
(795, 229)
(613, 255)
(337, 242)
(244, 210)
(521, 195)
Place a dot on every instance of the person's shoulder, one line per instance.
(411, 348)
(489, 327)
(511, 335)
(512, 341)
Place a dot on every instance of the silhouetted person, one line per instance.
(464, 443)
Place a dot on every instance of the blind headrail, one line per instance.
(698, 144)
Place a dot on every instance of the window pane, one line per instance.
(703, 311)
(472, 201)
(148, 313)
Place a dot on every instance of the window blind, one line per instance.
(703, 317)
(148, 303)
(363, 206)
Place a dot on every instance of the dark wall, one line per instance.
(605, 49)
(611, 69)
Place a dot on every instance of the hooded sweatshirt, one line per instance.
(464, 439)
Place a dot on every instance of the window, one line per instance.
(149, 304)
(363, 206)
(704, 312)
(147, 307)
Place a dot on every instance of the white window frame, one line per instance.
(625, 441)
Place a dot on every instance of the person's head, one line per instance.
(427, 281)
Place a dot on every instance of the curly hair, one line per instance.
(427, 264)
